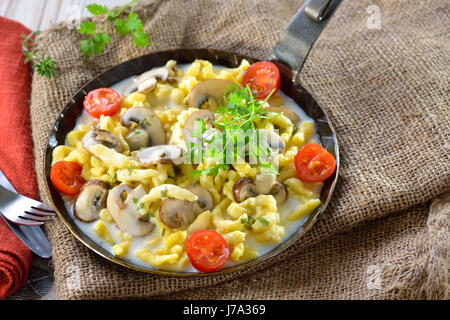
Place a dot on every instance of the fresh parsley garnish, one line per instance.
(96, 39)
(240, 111)
(43, 64)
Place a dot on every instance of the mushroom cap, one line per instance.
(209, 89)
(123, 209)
(275, 142)
(147, 81)
(291, 115)
(137, 138)
(90, 201)
(159, 73)
(161, 154)
(189, 124)
(149, 121)
(279, 192)
(176, 213)
(205, 199)
(99, 136)
(243, 189)
(264, 182)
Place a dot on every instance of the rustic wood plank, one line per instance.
(32, 12)
(42, 14)
(4, 6)
(51, 11)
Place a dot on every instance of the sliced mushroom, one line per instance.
(264, 183)
(137, 138)
(159, 155)
(275, 142)
(131, 87)
(147, 81)
(279, 192)
(122, 206)
(205, 200)
(211, 90)
(91, 200)
(99, 136)
(291, 115)
(189, 124)
(176, 213)
(146, 119)
(245, 188)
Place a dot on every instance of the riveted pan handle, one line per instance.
(299, 36)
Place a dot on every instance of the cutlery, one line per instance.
(32, 235)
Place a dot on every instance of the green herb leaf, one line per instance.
(248, 222)
(87, 27)
(113, 179)
(45, 66)
(213, 171)
(130, 170)
(263, 221)
(100, 40)
(140, 38)
(97, 9)
(87, 47)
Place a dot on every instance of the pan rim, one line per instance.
(247, 265)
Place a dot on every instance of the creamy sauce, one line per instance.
(140, 242)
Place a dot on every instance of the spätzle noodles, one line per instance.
(169, 201)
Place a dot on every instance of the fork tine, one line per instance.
(44, 207)
(40, 212)
(24, 222)
(31, 216)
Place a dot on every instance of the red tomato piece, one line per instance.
(314, 163)
(66, 177)
(207, 250)
(100, 101)
(262, 77)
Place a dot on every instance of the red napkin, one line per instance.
(16, 148)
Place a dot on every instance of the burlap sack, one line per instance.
(387, 93)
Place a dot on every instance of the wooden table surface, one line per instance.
(40, 15)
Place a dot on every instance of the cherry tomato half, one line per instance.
(314, 163)
(66, 177)
(207, 250)
(262, 77)
(100, 101)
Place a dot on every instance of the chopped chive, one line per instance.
(264, 221)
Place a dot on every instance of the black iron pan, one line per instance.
(289, 54)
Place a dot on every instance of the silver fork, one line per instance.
(22, 210)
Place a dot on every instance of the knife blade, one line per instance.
(33, 236)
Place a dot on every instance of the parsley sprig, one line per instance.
(44, 65)
(240, 111)
(96, 40)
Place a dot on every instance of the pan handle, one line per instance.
(299, 36)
